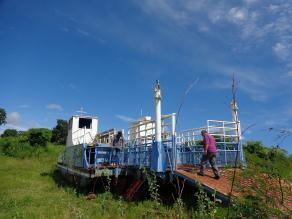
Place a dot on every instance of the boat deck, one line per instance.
(222, 187)
(242, 186)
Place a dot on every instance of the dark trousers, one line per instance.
(211, 157)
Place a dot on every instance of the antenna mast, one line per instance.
(234, 108)
(81, 111)
(234, 111)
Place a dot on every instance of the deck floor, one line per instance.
(223, 185)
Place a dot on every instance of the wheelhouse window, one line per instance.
(84, 122)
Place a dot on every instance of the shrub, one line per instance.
(59, 133)
(205, 207)
(270, 167)
(2, 116)
(39, 137)
(9, 133)
(254, 207)
(16, 147)
(257, 148)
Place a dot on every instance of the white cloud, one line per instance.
(13, 118)
(15, 121)
(204, 28)
(166, 10)
(281, 50)
(271, 24)
(289, 74)
(279, 117)
(17, 127)
(252, 26)
(82, 32)
(274, 8)
(54, 106)
(250, 1)
(125, 118)
(245, 26)
(237, 15)
(251, 81)
(216, 14)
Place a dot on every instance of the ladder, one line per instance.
(134, 187)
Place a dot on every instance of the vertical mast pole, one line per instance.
(158, 161)
(234, 110)
(157, 112)
(173, 128)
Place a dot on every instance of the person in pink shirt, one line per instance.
(209, 154)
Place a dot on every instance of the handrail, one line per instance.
(181, 148)
(229, 122)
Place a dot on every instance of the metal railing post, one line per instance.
(173, 127)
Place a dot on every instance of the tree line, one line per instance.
(37, 136)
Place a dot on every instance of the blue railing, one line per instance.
(138, 155)
(83, 156)
(226, 154)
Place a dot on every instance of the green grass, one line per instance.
(29, 190)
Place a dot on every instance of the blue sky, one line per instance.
(56, 56)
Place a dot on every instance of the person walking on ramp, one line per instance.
(209, 153)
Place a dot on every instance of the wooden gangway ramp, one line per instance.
(221, 188)
(243, 185)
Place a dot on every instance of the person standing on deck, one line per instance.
(209, 154)
(118, 139)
